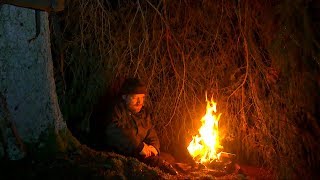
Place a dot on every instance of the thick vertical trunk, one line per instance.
(29, 116)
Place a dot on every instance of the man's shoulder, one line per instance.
(119, 110)
(120, 115)
(120, 106)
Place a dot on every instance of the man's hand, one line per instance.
(153, 150)
(146, 151)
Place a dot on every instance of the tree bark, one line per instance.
(30, 118)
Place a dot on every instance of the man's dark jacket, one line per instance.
(127, 131)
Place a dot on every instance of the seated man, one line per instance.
(131, 131)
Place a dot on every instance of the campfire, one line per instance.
(205, 147)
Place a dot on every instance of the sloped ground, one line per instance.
(89, 164)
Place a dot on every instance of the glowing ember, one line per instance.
(204, 148)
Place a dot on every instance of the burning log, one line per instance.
(226, 162)
(225, 165)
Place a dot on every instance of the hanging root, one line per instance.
(6, 124)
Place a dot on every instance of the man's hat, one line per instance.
(133, 86)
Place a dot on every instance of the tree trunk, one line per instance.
(30, 118)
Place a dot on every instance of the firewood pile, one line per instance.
(224, 168)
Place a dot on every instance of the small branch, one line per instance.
(247, 67)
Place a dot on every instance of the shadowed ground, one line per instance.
(89, 164)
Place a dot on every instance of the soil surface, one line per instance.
(89, 164)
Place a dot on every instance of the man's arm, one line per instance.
(152, 137)
(122, 140)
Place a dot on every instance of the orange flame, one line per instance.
(204, 148)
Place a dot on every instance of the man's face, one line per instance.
(134, 102)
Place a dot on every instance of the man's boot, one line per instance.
(156, 161)
(167, 168)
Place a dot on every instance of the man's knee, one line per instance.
(167, 157)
